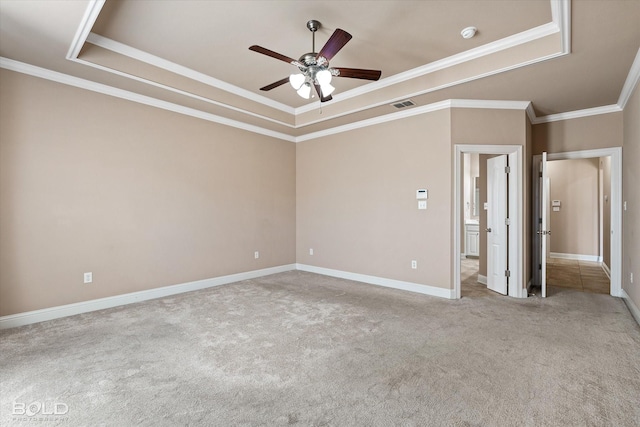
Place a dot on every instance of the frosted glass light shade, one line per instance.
(323, 77)
(297, 80)
(305, 91)
(327, 89)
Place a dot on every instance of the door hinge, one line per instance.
(507, 221)
(507, 273)
(539, 220)
(540, 176)
(507, 169)
(539, 266)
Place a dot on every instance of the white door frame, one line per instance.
(516, 212)
(616, 202)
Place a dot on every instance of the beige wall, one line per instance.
(356, 205)
(586, 133)
(139, 196)
(575, 228)
(631, 194)
(356, 200)
(488, 127)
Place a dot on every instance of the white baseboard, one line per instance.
(380, 281)
(635, 312)
(36, 316)
(577, 257)
(606, 269)
(482, 279)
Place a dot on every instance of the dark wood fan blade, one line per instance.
(276, 55)
(336, 42)
(357, 73)
(275, 84)
(322, 99)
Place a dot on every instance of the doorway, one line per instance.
(612, 229)
(580, 209)
(515, 252)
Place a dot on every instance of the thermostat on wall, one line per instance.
(421, 194)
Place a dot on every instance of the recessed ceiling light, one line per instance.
(469, 32)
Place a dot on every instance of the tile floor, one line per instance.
(583, 276)
(562, 274)
(469, 285)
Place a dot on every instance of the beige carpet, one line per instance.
(302, 349)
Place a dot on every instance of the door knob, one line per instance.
(488, 230)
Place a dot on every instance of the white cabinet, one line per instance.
(472, 240)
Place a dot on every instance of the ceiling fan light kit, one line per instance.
(314, 67)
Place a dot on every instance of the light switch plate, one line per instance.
(422, 204)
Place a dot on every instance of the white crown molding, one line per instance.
(560, 23)
(478, 52)
(37, 316)
(172, 67)
(181, 92)
(380, 281)
(66, 79)
(469, 55)
(376, 120)
(607, 109)
(561, 16)
(86, 23)
(531, 113)
(631, 82)
(451, 103)
(433, 89)
(489, 104)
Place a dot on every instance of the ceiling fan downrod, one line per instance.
(313, 26)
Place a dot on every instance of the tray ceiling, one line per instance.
(194, 54)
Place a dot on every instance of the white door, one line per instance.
(544, 223)
(497, 224)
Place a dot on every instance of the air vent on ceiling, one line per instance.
(403, 104)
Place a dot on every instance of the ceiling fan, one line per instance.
(314, 67)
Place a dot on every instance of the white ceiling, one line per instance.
(560, 55)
